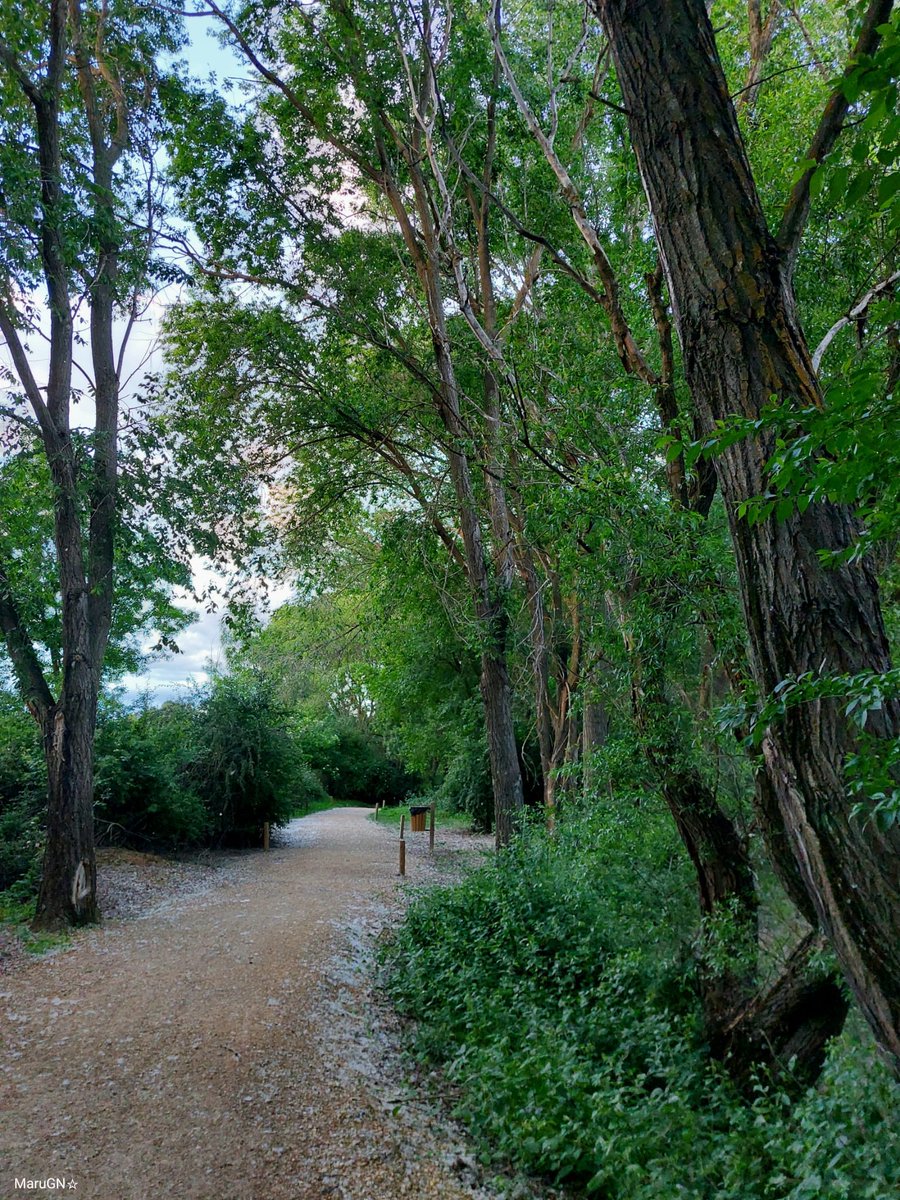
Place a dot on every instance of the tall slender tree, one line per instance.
(78, 85)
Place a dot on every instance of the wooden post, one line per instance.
(376, 812)
(402, 846)
(431, 828)
(266, 836)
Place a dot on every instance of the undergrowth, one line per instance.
(552, 989)
(16, 916)
(443, 819)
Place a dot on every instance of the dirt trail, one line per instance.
(192, 1053)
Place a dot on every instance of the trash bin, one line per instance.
(417, 817)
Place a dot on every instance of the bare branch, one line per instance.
(26, 375)
(856, 313)
(601, 69)
(762, 34)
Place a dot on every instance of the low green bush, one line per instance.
(23, 799)
(141, 793)
(466, 786)
(21, 848)
(550, 985)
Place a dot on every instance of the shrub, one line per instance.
(556, 987)
(23, 799)
(21, 848)
(245, 766)
(142, 795)
(466, 787)
(309, 789)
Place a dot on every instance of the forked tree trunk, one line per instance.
(742, 344)
(788, 1024)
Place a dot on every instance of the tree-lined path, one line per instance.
(191, 1053)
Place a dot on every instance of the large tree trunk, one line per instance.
(742, 344)
(69, 878)
(68, 892)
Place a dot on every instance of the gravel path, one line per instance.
(228, 1045)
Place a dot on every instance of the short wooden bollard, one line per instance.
(402, 846)
(433, 806)
(266, 836)
(376, 812)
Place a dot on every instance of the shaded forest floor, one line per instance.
(228, 1042)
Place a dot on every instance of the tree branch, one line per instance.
(629, 354)
(291, 96)
(26, 664)
(24, 80)
(26, 377)
(761, 36)
(796, 211)
(856, 313)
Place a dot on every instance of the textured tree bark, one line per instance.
(68, 891)
(787, 1025)
(742, 344)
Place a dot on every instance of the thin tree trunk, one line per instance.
(540, 669)
(489, 585)
(489, 602)
(742, 344)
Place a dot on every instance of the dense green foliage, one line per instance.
(244, 761)
(556, 986)
(143, 795)
(22, 797)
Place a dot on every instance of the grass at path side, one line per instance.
(391, 816)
